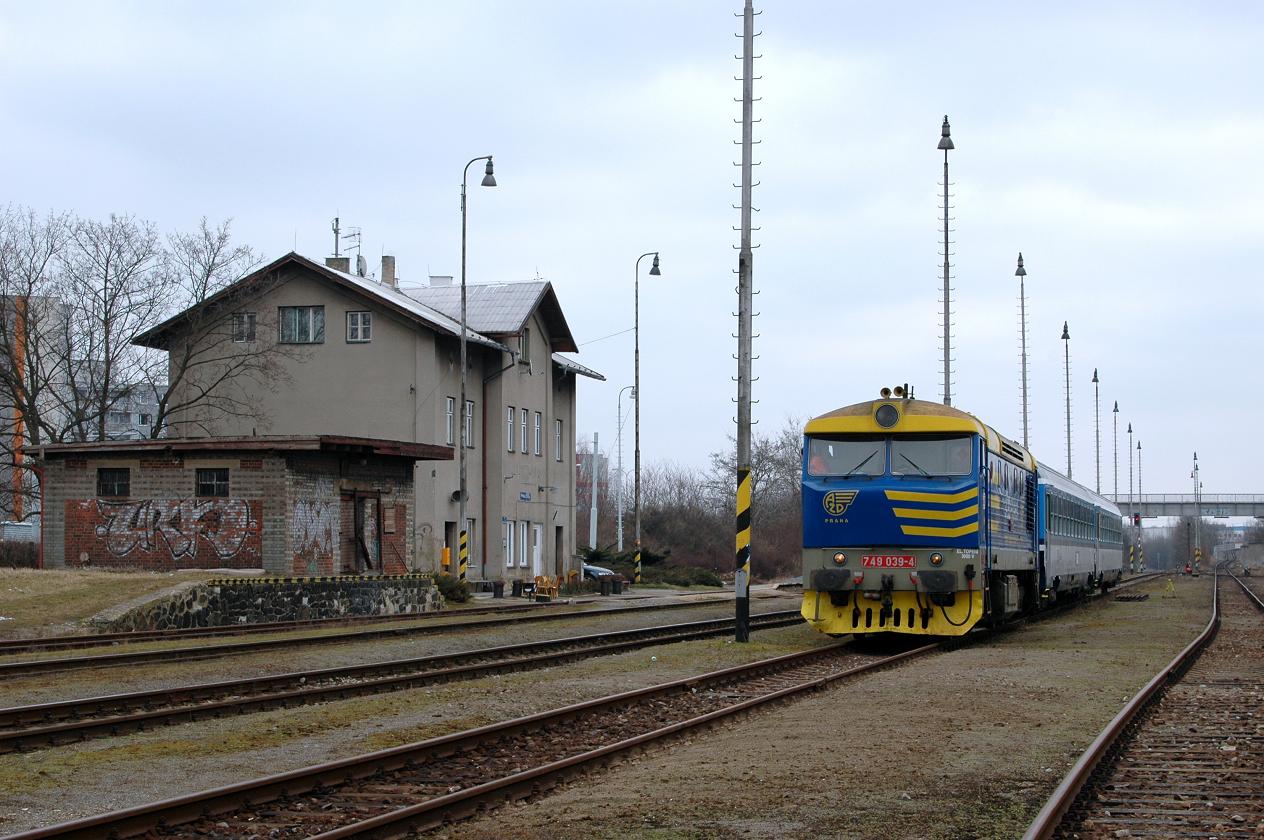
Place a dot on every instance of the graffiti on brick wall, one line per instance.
(314, 528)
(194, 533)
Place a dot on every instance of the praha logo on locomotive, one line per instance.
(836, 502)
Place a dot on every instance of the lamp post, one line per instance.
(1021, 274)
(1116, 413)
(1198, 513)
(1066, 344)
(1140, 546)
(1097, 427)
(467, 416)
(618, 489)
(1131, 507)
(636, 384)
(945, 143)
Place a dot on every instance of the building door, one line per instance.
(559, 551)
(450, 543)
(360, 533)
(537, 549)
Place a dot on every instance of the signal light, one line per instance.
(1136, 519)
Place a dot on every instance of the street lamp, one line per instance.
(1198, 512)
(467, 416)
(1116, 413)
(636, 384)
(1021, 274)
(1097, 427)
(1066, 343)
(1140, 545)
(618, 490)
(945, 144)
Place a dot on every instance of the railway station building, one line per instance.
(340, 355)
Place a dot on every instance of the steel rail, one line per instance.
(135, 821)
(24, 667)
(44, 724)
(1055, 809)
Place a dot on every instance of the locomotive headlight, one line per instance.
(936, 559)
(840, 559)
(886, 416)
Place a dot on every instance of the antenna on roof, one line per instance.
(353, 234)
(362, 265)
(336, 232)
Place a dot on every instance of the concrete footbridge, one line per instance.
(1218, 505)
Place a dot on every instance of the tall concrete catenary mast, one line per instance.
(945, 143)
(1097, 426)
(745, 302)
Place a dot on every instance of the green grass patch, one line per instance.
(35, 599)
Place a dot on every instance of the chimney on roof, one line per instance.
(440, 279)
(388, 272)
(342, 264)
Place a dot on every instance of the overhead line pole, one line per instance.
(745, 303)
(945, 143)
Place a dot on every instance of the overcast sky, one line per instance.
(1117, 145)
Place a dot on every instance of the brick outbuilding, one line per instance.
(300, 505)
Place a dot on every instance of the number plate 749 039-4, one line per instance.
(888, 561)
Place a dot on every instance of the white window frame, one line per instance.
(522, 543)
(243, 327)
(511, 417)
(449, 413)
(315, 328)
(359, 327)
(524, 347)
(539, 432)
(557, 440)
(507, 537)
(524, 431)
(467, 427)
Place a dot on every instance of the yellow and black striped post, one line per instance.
(742, 579)
(636, 574)
(1132, 566)
(1141, 555)
(465, 555)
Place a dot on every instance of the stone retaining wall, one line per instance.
(259, 600)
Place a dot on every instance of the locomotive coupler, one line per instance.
(888, 584)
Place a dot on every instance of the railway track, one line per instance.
(51, 724)
(91, 640)
(24, 667)
(454, 776)
(1185, 757)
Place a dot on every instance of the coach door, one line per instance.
(360, 533)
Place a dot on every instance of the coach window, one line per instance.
(212, 483)
(114, 481)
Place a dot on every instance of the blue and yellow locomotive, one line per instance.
(918, 518)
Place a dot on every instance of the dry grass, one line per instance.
(41, 601)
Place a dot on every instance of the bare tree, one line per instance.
(33, 336)
(113, 283)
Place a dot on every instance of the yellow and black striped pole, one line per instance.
(464, 560)
(636, 575)
(1141, 554)
(1132, 565)
(742, 581)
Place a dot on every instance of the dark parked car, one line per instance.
(594, 572)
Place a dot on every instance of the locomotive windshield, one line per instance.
(931, 455)
(866, 455)
(846, 455)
